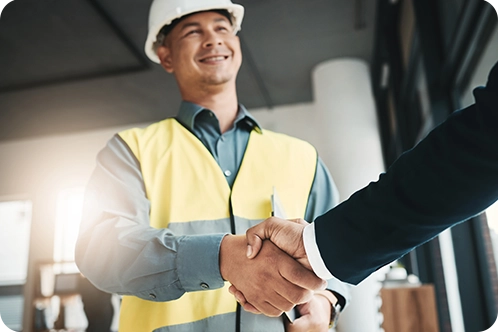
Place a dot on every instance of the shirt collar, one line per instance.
(189, 111)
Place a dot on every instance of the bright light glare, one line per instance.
(69, 207)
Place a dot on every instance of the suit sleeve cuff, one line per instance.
(313, 253)
(198, 262)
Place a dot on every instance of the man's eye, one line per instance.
(192, 32)
(222, 28)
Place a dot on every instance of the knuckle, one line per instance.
(301, 296)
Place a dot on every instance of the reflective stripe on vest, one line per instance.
(190, 195)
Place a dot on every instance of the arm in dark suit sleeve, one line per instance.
(447, 178)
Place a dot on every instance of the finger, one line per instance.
(275, 298)
(232, 289)
(250, 308)
(238, 295)
(242, 300)
(271, 303)
(254, 246)
(281, 302)
(301, 276)
(262, 231)
(255, 236)
(293, 293)
(268, 309)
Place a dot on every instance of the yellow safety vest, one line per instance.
(184, 183)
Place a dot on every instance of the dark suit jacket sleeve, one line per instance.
(447, 178)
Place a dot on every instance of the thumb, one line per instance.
(262, 231)
(254, 237)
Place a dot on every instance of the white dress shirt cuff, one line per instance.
(313, 253)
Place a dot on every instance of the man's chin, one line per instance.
(216, 80)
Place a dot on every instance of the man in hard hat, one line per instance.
(164, 202)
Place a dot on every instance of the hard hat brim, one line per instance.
(236, 10)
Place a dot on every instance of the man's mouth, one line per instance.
(216, 58)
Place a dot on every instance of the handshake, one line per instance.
(270, 272)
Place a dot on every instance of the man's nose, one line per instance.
(212, 39)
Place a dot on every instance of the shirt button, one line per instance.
(222, 138)
(152, 296)
(204, 285)
(227, 173)
(211, 114)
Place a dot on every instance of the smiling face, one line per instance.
(202, 51)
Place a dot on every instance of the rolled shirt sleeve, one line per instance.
(118, 250)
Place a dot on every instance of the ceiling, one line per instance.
(76, 65)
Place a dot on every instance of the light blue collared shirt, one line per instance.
(227, 148)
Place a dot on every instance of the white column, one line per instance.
(350, 146)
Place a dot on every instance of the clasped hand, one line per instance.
(270, 281)
(288, 237)
(285, 278)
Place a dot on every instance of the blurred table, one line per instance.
(409, 309)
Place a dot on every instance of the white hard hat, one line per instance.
(163, 12)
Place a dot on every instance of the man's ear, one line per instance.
(164, 55)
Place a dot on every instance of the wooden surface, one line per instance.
(409, 309)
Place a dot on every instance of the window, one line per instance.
(439, 51)
(479, 78)
(483, 230)
(15, 221)
(11, 309)
(448, 13)
(480, 74)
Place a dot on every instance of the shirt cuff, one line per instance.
(314, 257)
(198, 262)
